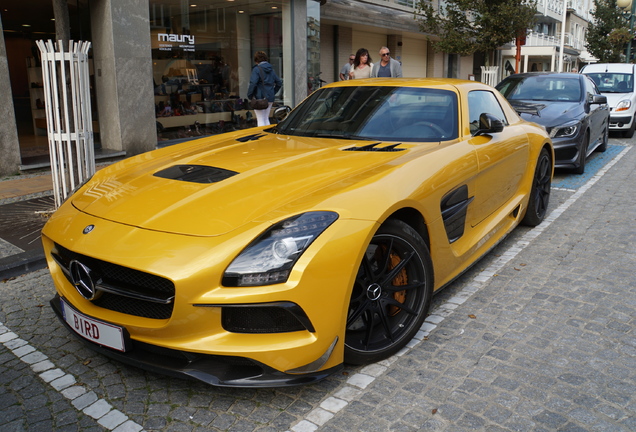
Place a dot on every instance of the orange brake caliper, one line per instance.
(399, 280)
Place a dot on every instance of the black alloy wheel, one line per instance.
(583, 154)
(540, 192)
(391, 294)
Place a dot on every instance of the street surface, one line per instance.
(540, 335)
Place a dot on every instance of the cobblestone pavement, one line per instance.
(538, 336)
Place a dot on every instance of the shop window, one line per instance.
(201, 64)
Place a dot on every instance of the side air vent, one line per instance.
(373, 148)
(195, 173)
(454, 207)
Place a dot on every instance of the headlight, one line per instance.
(623, 105)
(564, 131)
(270, 257)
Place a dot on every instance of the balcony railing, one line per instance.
(407, 3)
(540, 39)
(576, 43)
(410, 3)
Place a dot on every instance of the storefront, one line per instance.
(196, 58)
(202, 57)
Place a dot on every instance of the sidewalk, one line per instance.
(19, 222)
(538, 336)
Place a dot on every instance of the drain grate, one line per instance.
(22, 221)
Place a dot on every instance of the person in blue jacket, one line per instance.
(263, 72)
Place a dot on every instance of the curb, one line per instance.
(25, 262)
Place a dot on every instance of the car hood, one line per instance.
(211, 186)
(548, 114)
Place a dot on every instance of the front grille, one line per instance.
(260, 319)
(134, 307)
(128, 285)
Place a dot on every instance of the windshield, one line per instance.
(541, 88)
(375, 113)
(613, 82)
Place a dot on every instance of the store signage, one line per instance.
(166, 41)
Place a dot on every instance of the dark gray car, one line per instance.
(569, 106)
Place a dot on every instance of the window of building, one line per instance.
(21, 29)
(452, 65)
(202, 58)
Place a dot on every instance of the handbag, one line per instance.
(259, 104)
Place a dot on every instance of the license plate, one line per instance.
(102, 333)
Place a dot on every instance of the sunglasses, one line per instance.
(385, 54)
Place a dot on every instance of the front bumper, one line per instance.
(224, 371)
(567, 151)
(620, 122)
(192, 329)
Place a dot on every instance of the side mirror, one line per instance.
(598, 99)
(489, 124)
(281, 112)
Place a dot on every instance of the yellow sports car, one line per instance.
(271, 256)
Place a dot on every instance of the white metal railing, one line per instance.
(554, 6)
(407, 3)
(540, 39)
(490, 75)
(574, 42)
(410, 3)
(69, 123)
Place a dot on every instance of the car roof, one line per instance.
(608, 67)
(559, 74)
(409, 82)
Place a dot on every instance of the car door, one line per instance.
(502, 157)
(598, 113)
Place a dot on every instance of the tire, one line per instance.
(603, 146)
(540, 192)
(391, 294)
(630, 132)
(583, 154)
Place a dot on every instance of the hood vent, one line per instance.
(252, 137)
(195, 173)
(373, 148)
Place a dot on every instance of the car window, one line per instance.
(541, 88)
(608, 82)
(480, 102)
(590, 89)
(376, 113)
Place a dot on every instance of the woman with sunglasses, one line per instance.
(361, 67)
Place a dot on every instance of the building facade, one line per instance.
(559, 24)
(169, 70)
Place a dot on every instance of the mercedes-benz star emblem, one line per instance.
(88, 229)
(81, 277)
(374, 291)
